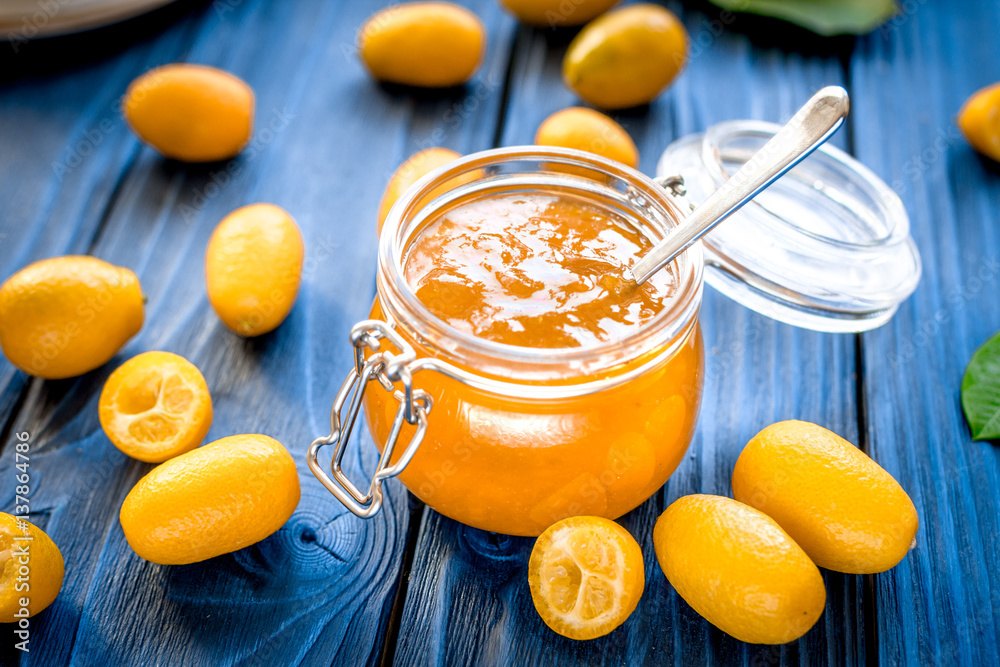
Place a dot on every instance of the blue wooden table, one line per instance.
(410, 586)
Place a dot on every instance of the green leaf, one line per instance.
(981, 391)
(826, 17)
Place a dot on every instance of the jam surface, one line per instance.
(535, 270)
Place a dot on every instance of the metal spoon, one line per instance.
(805, 132)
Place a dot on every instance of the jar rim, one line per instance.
(499, 168)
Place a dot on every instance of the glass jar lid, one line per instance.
(826, 247)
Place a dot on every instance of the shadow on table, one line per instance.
(764, 32)
(43, 55)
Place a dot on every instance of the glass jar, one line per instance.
(511, 439)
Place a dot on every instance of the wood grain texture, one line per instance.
(321, 589)
(468, 599)
(941, 604)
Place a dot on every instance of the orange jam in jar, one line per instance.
(533, 270)
(559, 388)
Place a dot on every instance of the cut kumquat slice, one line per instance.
(586, 576)
(155, 406)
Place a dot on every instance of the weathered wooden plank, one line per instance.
(467, 598)
(320, 590)
(941, 605)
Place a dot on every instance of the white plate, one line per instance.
(22, 20)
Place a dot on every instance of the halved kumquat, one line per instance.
(586, 576)
(155, 406)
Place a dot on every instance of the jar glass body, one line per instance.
(538, 435)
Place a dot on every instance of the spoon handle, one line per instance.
(809, 127)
